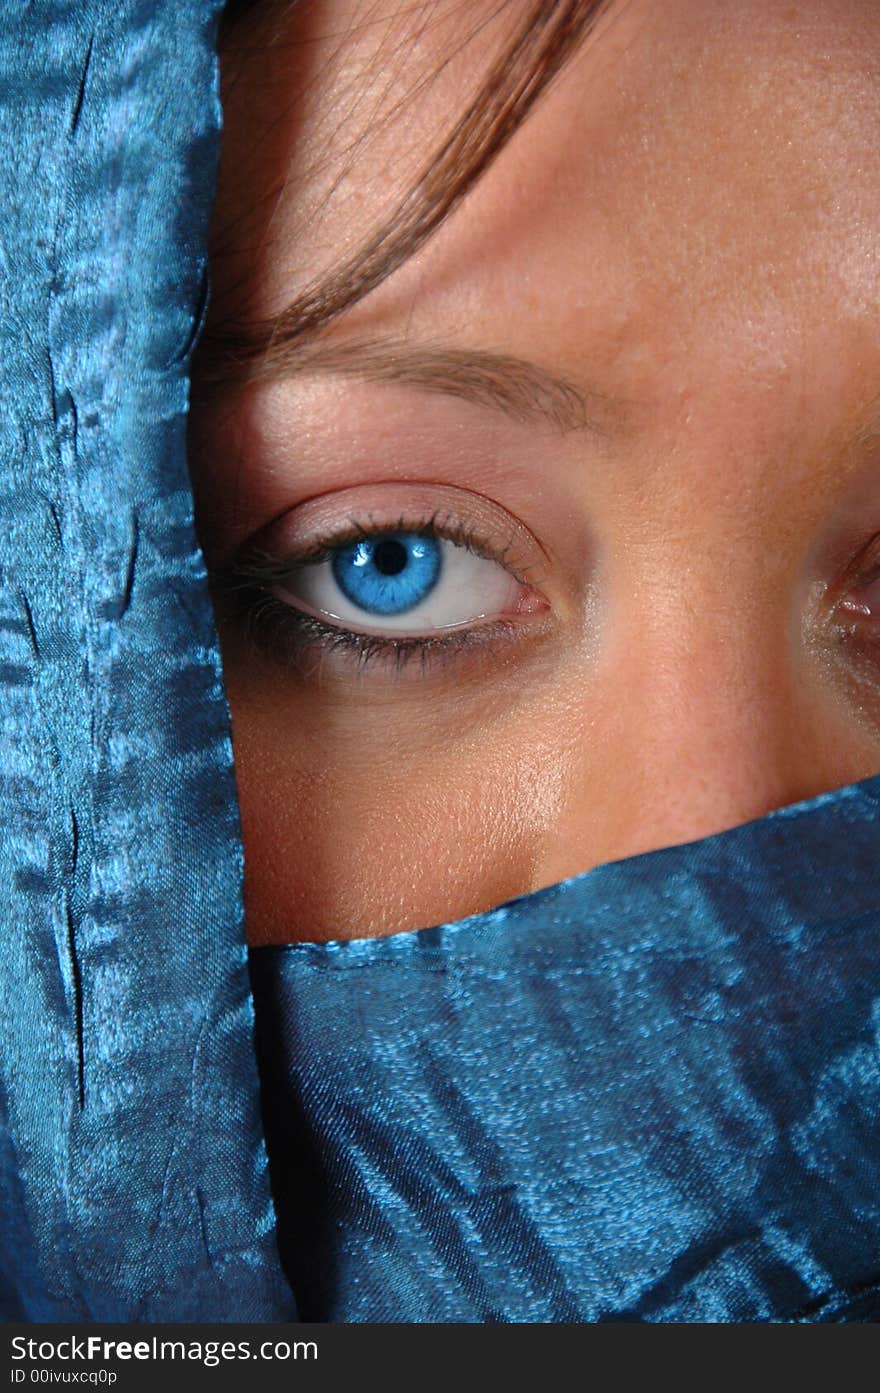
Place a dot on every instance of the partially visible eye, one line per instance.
(855, 613)
(857, 601)
(404, 583)
(863, 602)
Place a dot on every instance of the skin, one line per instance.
(686, 230)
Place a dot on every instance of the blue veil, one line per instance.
(133, 1169)
(649, 1093)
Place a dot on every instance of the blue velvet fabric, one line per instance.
(133, 1180)
(651, 1093)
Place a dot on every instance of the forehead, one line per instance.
(728, 148)
(700, 170)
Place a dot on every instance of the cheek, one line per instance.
(370, 831)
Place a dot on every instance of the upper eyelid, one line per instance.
(263, 569)
(358, 531)
(457, 514)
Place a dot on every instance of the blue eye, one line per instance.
(388, 575)
(400, 582)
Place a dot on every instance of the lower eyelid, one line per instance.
(290, 635)
(344, 625)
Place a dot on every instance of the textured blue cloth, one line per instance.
(651, 1093)
(132, 1166)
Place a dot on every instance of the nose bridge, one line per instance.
(711, 700)
(703, 615)
(698, 721)
(716, 638)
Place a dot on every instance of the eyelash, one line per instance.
(270, 622)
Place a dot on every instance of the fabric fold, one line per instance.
(650, 1093)
(131, 1155)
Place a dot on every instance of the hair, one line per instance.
(539, 50)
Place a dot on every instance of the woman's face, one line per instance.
(633, 385)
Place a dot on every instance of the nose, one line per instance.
(692, 723)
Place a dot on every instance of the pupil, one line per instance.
(390, 557)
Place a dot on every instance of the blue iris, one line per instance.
(390, 574)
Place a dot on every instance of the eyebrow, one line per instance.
(501, 381)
